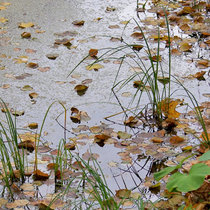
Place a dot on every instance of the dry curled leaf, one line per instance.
(81, 89)
(137, 35)
(33, 95)
(184, 46)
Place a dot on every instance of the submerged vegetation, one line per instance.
(157, 137)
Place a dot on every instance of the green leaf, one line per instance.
(188, 182)
(159, 175)
(205, 156)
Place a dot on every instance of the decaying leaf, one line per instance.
(26, 35)
(17, 113)
(29, 136)
(3, 20)
(95, 66)
(52, 56)
(123, 135)
(17, 203)
(21, 59)
(156, 140)
(202, 64)
(39, 175)
(131, 122)
(28, 144)
(88, 156)
(78, 22)
(184, 46)
(81, 89)
(100, 139)
(33, 65)
(93, 52)
(26, 88)
(33, 95)
(156, 58)
(137, 47)
(199, 75)
(137, 35)
(163, 80)
(123, 193)
(70, 146)
(168, 107)
(33, 125)
(26, 25)
(176, 139)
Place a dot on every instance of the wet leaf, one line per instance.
(123, 193)
(175, 52)
(26, 25)
(168, 107)
(110, 9)
(138, 84)
(131, 122)
(65, 42)
(95, 66)
(17, 113)
(70, 146)
(202, 64)
(32, 65)
(52, 56)
(137, 35)
(5, 86)
(137, 47)
(185, 27)
(156, 140)
(17, 203)
(100, 139)
(81, 89)
(88, 156)
(93, 52)
(199, 75)
(114, 26)
(21, 59)
(78, 22)
(184, 46)
(29, 137)
(176, 139)
(31, 51)
(26, 35)
(123, 135)
(27, 187)
(156, 58)
(27, 144)
(33, 125)
(3, 20)
(23, 76)
(33, 95)
(95, 129)
(163, 80)
(26, 88)
(39, 175)
(44, 69)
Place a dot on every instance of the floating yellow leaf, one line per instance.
(3, 20)
(168, 107)
(21, 59)
(94, 66)
(26, 25)
(184, 46)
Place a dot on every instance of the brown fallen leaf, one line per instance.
(26, 35)
(70, 146)
(131, 122)
(78, 22)
(33, 125)
(52, 56)
(28, 144)
(156, 58)
(123, 193)
(156, 140)
(100, 139)
(202, 64)
(89, 156)
(33, 95)
(33, 65)
(137, 47)
(43, 69)
(137, 35)
(93, 53)
(176, 139)
(39, 175)
(184, 46)
(81, 89)
(199, 75)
